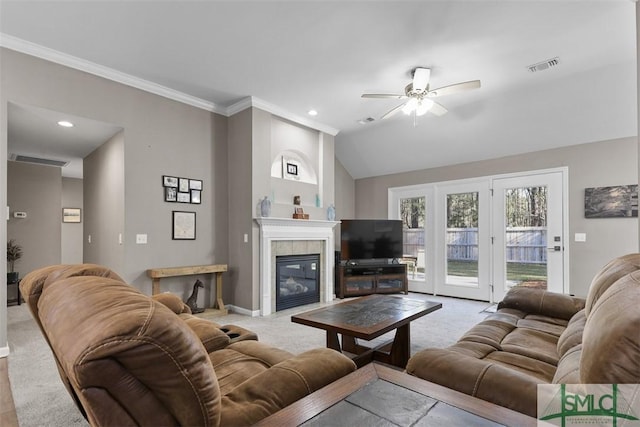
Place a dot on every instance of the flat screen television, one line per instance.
(367, 239)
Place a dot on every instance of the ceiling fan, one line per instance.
(419, 95)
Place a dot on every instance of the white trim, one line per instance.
(273, 229)
(245, 312)
(52, 55)
(252, 101)
(61, 58)
(4, 351)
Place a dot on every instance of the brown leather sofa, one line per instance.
(128, 359)
(539, 337)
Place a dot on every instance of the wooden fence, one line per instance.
(523, 244)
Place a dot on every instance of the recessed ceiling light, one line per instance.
(312, 112)
(65, 124)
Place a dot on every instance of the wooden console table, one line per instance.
(158, 273)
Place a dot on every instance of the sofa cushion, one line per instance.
(209, 333)
(243, 360)
(527, 365)
(532, 343)
(491, 333)
(572, 335)
(537, 301)
(611, 340)
(549, 325)
(568, 371)
(609, 274)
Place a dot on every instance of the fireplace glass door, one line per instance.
(297, 280)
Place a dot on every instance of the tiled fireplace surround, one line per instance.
(282, 236)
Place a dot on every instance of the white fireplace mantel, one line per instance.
(273, 229)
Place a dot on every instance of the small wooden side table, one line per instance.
(158, 273)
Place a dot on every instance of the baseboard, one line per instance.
(4, 351)
(243, 311)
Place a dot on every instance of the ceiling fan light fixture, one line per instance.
(410, 106)
(423, 106)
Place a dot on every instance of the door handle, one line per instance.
(555, 249)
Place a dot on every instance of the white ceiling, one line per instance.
(299, 55)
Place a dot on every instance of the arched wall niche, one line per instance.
(295, 166)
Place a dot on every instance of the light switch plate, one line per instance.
(581, 237)
(141, 239)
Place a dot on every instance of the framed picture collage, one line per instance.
(182, 190)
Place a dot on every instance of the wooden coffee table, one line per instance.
(368, 318)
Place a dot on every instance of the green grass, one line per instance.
(515, 271)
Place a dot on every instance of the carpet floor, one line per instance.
(42, 400)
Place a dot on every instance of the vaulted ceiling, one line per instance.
(322, 55)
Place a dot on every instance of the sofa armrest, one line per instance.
(212, 337)
(479, 378)
(539, 301)
(283, 384)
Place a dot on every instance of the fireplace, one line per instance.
(297, 280)
(284, 236)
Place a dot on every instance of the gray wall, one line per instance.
(590, 165)
(162, 137)
(241, 210)
(104, 204)
(72, 236)
(345, 191)
(36, 190)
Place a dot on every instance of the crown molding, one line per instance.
(74, 62)
(252, 101)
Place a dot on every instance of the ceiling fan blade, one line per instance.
(383, 95)
(421, 78)
(454, 88)
(438, 109)
(393, 111)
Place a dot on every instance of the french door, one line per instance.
(462, 240)
(528, 233)
(481, 237)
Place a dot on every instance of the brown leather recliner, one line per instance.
(128, 359)
(539, 337)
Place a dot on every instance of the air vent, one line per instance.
(366, 120)
(545, 65)
(37, 160)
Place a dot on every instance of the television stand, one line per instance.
(366, 279)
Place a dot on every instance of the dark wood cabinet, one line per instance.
(354, 280)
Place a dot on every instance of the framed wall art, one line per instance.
(183, 225)
(290, 169)
(619, 201)
(195, 196)
(195, 184)
(170, 194)
(71, 215)
(183, 185)
(183, 197)
(169, 181)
